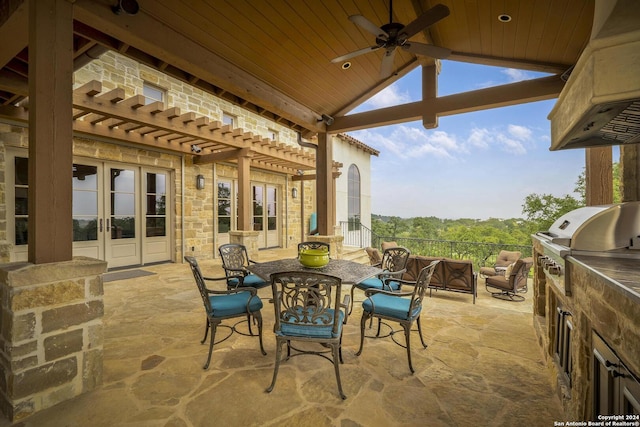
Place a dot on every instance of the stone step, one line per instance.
(356, 254)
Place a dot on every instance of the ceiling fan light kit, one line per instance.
(393, 35)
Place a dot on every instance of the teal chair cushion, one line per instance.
(322, 328)
(250, 280)
(233, 304)
(376, 283)
(390, 306)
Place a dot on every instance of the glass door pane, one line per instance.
(123, 213)
(85, 202)
(156, 216)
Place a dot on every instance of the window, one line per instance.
(228, 119)
(122, 194)
(273, 135)
(156, 218)
(258, 207)
(272, 217)
(152, 93)
(224, 206)
(353, 198)
(21, 182)
(85, 203)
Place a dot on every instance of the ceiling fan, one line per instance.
(393, 35)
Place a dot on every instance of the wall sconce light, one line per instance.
(200, 182)
(294, 192)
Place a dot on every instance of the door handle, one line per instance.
(100, 225)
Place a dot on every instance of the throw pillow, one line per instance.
(507, 272)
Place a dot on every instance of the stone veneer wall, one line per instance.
(595, 305)
(117, 71)
(51, 339)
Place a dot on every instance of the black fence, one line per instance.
(480, 253)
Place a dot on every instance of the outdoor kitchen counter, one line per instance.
(623, 273)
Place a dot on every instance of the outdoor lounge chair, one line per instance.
(308, 310)
(513, 282)
(403, 307)
(222, 305)
(504, 259)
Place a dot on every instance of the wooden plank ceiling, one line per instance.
(274, 57)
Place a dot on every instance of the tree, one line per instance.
(543, 209)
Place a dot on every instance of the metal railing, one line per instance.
(480, 253)
(356, 234)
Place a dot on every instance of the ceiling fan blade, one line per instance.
(430, 50)
(369, 26)
(425, 20)
(386, 68)
(354, 54)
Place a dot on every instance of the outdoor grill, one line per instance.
(602, 231)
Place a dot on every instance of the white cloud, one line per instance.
(516, 75)
(480, 138)
(512, 141)
(519, 132)
(413, 142)
(389, 96)
(510, 145)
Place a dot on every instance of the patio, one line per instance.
(483, 366)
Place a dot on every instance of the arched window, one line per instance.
(353, 198)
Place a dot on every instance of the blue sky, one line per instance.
(475, 165)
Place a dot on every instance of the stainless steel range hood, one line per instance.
(600, 104)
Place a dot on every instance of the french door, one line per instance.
(264, 202)
(119, 213)
(265, 214)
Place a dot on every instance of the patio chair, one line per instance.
(513, 282)
(235, 261)
(222, 305)
(308, 310)
(396, 307)
(394, 264)
(504, 259)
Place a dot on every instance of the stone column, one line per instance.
(51, 340)
(335, 244)
(247, 238)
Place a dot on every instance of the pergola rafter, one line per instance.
(111, 115)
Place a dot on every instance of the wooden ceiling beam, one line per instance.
(14, 83)
(14, 33)
(482, 99)
(519, 64)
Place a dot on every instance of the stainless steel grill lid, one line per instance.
(597, 228)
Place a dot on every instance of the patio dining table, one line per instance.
(350, 272)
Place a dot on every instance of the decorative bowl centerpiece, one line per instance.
(314, 258)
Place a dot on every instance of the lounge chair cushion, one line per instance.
(387, 245)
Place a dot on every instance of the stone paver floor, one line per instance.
(483, 367)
